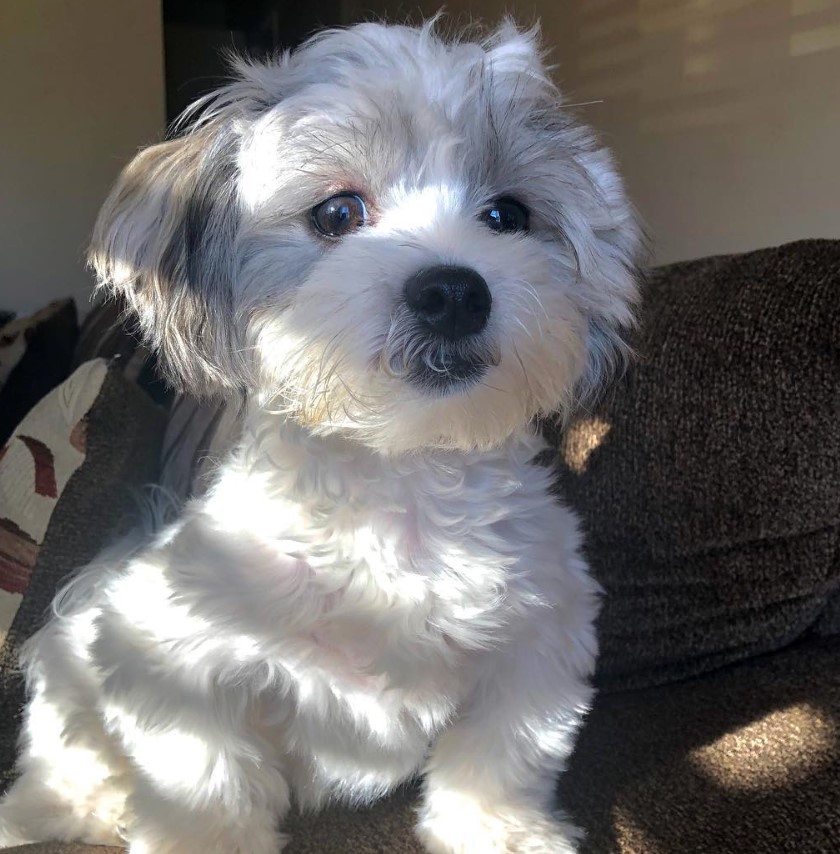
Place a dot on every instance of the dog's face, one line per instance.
(383, 234)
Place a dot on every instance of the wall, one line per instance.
(724, 114)
(82, 90)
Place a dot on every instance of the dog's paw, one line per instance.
(459, 825)
(547, 836)
(211, 841)
(10, 837)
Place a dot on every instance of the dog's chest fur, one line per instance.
(372, 584)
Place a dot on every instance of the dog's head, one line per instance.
(385, 234)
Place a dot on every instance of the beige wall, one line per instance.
(82, 90)
(724, 114)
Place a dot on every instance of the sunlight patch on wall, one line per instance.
(815, 41)
(809, 7)
(700, 32)
(675, 121)
(701, 63)
(608, 26)
(663, 59)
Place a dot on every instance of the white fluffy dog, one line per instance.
(401, 249)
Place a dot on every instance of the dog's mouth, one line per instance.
(434, 364)
(445, 373)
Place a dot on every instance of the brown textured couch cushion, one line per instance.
(108, 332)
(745, 760)
(709, 479)
(69, 479)
(63, 848)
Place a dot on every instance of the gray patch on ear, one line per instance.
(201, 254)
(166, 240)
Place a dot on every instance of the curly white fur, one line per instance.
(378, 585)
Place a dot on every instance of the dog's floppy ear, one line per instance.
(165, 240)
(602, 227)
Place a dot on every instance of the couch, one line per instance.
(708, 483)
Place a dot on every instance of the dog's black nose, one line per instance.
(452, 301)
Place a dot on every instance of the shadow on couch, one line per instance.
(746, 759)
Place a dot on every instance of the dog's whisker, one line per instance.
(492, 387)
(521, 364)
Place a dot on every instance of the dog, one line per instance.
(401, 249)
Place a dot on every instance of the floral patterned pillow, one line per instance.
(70, 475)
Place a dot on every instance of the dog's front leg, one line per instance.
(490, 779)
(203, 782)
(197, 791)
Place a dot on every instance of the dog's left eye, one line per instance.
(506, 215)
(339, 215)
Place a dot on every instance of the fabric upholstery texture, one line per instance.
(63, 848)
(708, 480)
(744, 760)
(111, 450)
(35, 354)
(107, 332)
(198, 432)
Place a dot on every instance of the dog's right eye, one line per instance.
(339, 215)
